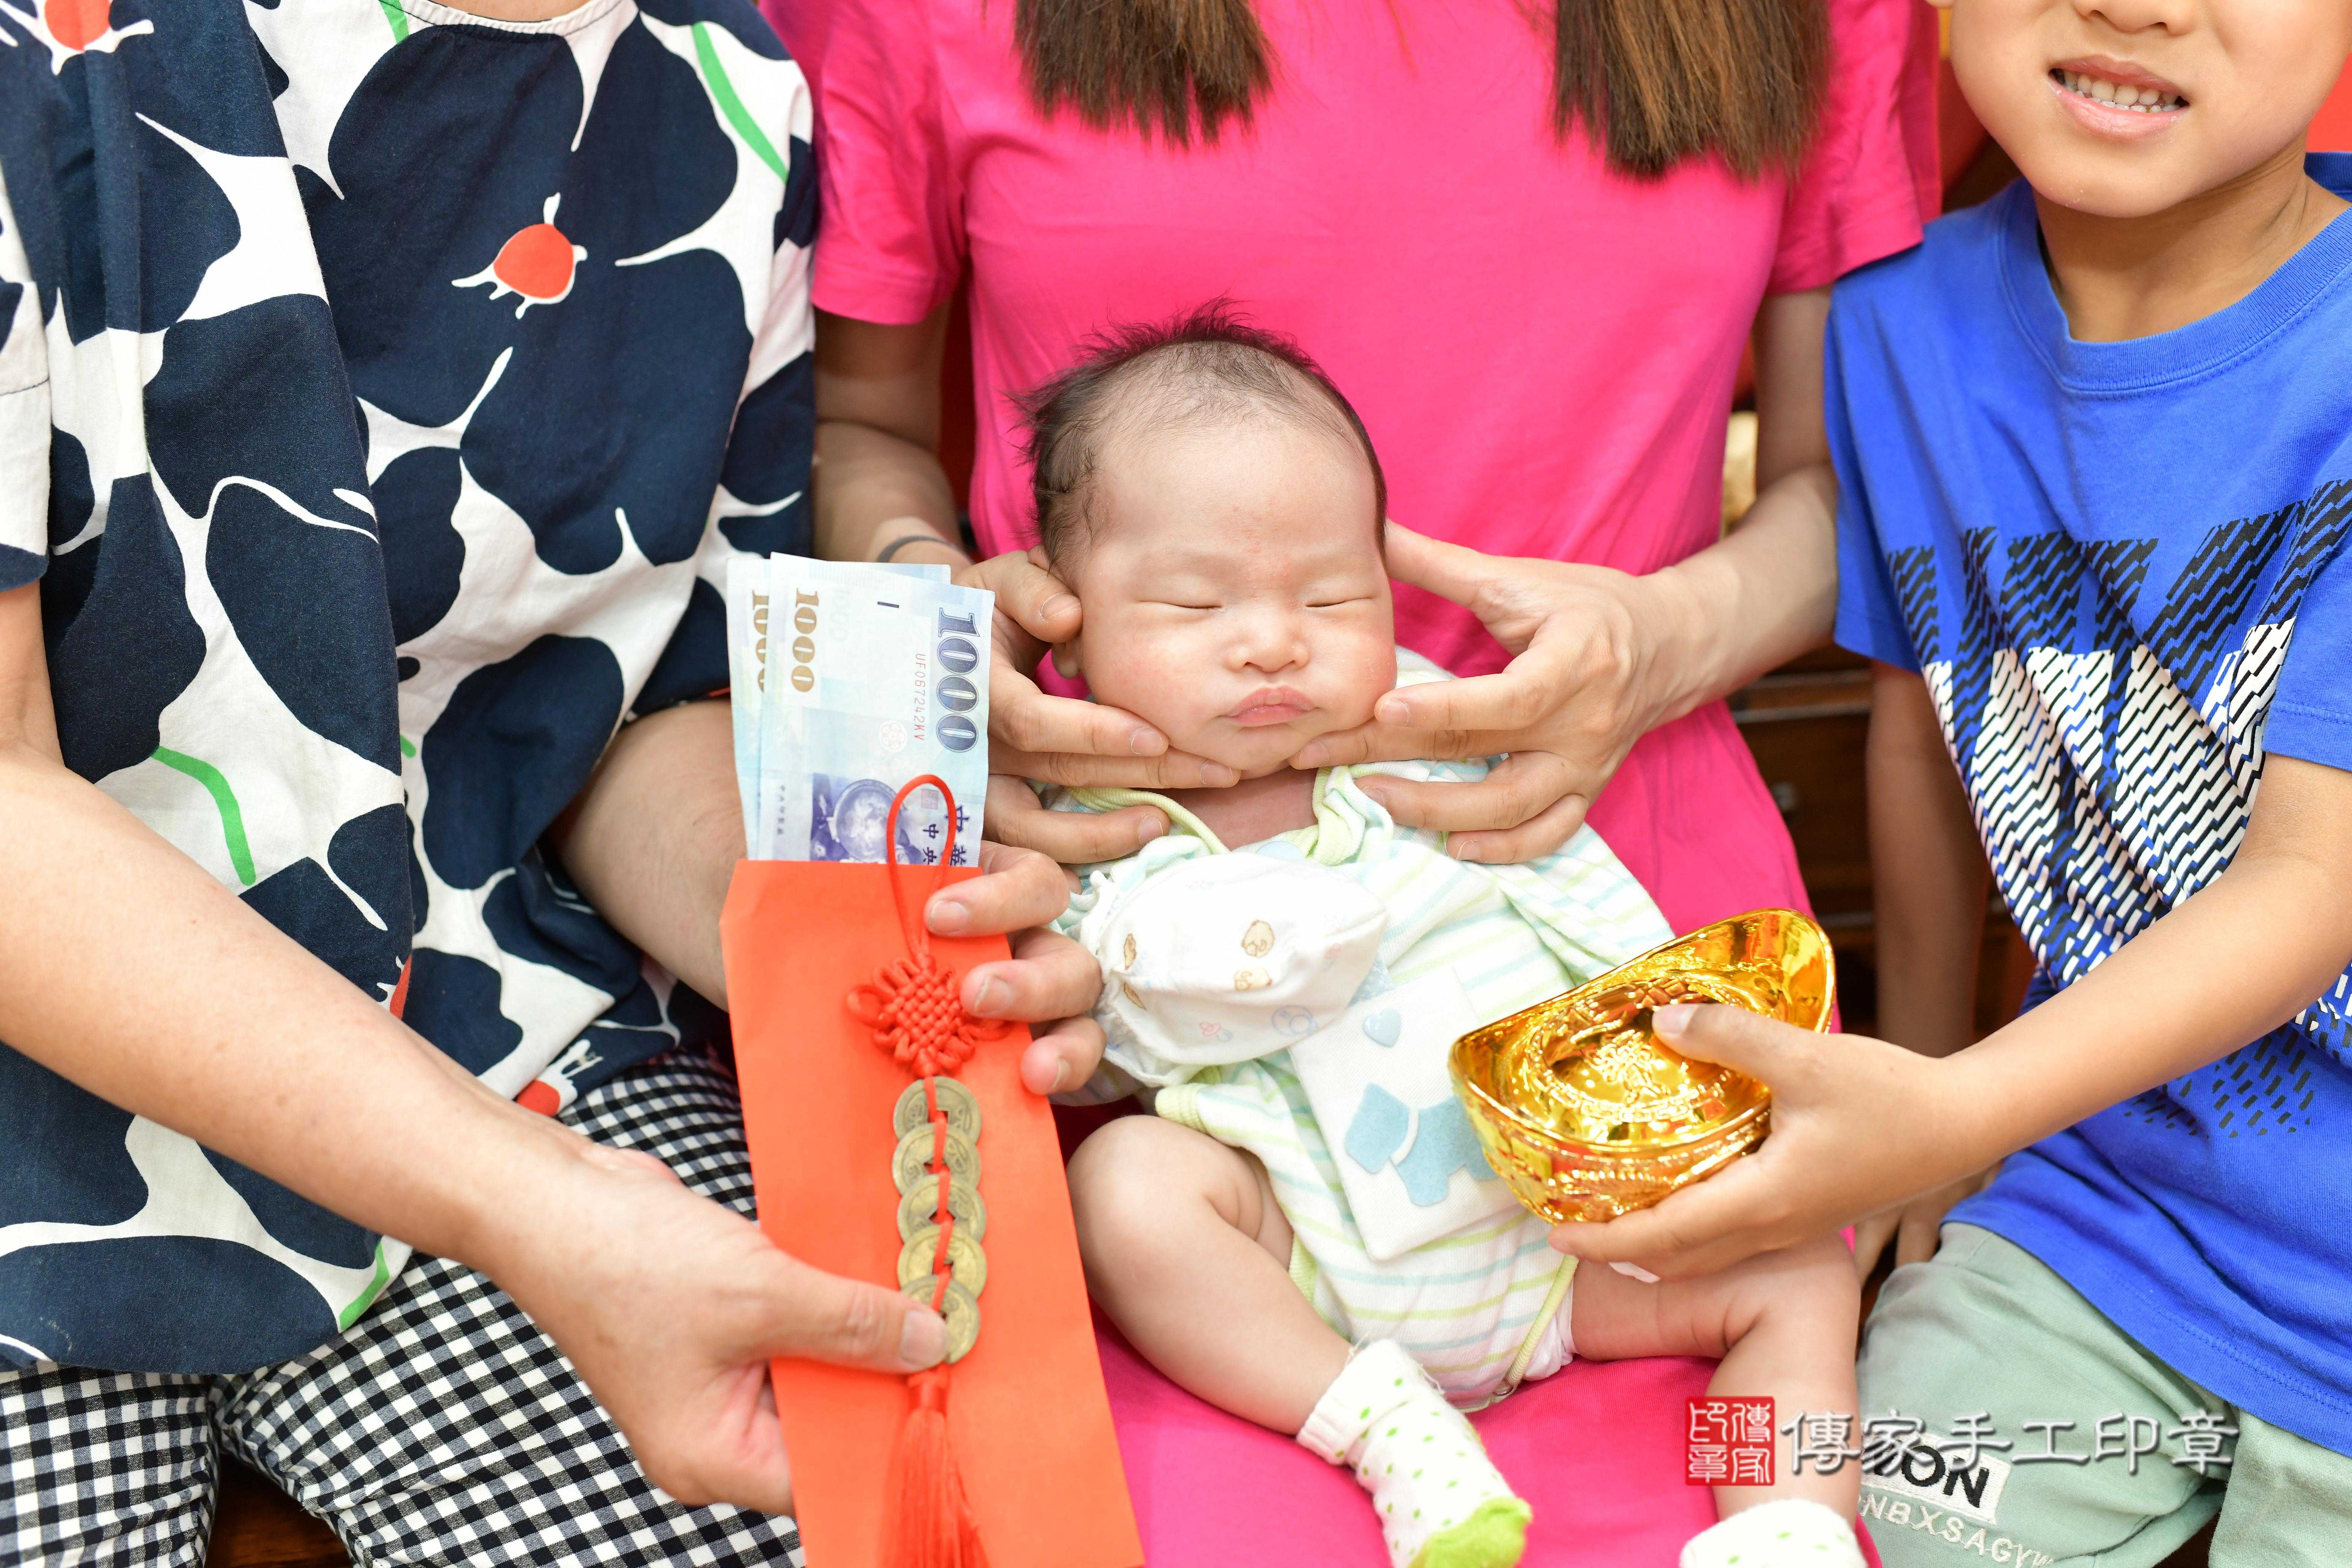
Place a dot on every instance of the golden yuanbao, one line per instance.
(1586, 1116)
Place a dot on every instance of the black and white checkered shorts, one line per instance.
(443, 1428)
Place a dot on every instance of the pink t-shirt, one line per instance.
(1543, 351)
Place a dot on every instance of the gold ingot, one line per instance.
(920, 1206)
(1586, 1116)
(956, 1103)
(967, 1263)
(916, 1150)
(961, 1312)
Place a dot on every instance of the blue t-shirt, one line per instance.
(2121, 569)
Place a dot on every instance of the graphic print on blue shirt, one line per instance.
(411, 378)
(2121, 570)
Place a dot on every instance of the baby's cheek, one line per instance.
(1366, 666)
(1156, 683)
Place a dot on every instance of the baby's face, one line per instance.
(1232, 591)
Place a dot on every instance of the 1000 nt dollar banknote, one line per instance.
(849, 680)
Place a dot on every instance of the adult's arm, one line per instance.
(879, 480)
(129, 971)
(1602, 658)
(2244, 954)
(1930, 888)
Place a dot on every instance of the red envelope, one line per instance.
(1027, 1417)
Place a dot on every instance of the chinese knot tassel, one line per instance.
(931, 1519)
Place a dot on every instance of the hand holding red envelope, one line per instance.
(1022, 1417)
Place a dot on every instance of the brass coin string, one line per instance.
(915, 1014)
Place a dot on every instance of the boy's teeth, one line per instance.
(2146, 100)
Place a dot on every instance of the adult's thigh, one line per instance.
(1984, 1331)
(105, 1468)
(446, 1428)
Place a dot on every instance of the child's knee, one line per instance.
(1123, 1181)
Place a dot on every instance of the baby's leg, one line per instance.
(1783, 1324)
(1188, 1253)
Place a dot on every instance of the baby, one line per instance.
(1306, 1233)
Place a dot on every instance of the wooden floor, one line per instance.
(259, 1527)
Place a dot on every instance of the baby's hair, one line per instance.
(1205, 367)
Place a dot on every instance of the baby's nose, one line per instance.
(1269, 641)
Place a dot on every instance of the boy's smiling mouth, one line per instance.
(2098, 87)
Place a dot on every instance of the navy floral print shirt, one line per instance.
(382, 393)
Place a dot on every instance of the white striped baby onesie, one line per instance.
(1211, 1027)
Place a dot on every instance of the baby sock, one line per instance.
(1441, 1501)
(1792, 1533)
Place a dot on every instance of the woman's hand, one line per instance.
(1592, 672)
(1050, 981)
(625, 1246)
(1858, 1125)
(1060, 739)
(1913, 1226)
(671, 1306)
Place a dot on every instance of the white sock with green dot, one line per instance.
(1791, 1532)
(1441, 1501)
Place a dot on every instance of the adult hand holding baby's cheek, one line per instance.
(1857, 1125)
(1588, 678)
(1060, 739)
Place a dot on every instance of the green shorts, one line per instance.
(1983, 1339)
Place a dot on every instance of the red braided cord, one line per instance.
(915, 1013)
(913, 1009)
(911, 1004)
(942, 1270)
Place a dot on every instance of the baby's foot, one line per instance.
(1441, 1501)
(1792, 1533)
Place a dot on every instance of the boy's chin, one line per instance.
(2126, 183)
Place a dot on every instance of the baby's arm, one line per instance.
(1858, 1124)
(1208, 961)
